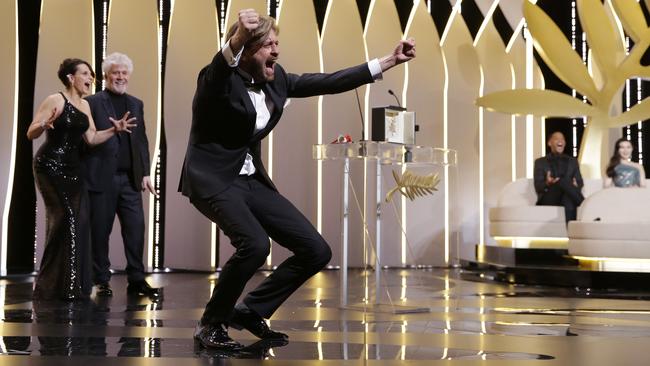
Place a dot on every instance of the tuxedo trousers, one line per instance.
(249, 212)
(123, 200)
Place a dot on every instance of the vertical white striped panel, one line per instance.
(232, 15)
(342, 45)
(497, 161)
(294, 169)
(517, 57)
(539, 138)
(133, 30)
(425, 95)
(463, 121)
(66, 30)
(383, 31)
(8, 116)
(193, 41)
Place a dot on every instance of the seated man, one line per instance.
(557, 178)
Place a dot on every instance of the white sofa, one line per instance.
(613, 223)
(518, 222)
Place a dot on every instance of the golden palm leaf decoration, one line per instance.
(412, 185)
(605, 25)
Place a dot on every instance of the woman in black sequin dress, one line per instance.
(65, 118)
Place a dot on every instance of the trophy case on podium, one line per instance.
(366, 210)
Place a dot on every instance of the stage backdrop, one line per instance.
(461, 55)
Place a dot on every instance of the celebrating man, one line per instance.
(239, 99)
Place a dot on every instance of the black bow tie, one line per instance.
(248, 80)
(250, 84)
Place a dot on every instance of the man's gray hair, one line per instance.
(116, 58)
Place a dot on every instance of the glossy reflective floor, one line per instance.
(422, 315)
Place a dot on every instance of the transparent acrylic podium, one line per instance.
(380, 154)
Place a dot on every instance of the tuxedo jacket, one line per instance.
(543, 165)
(223, 120)
(99, 163)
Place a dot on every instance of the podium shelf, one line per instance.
(386, 153)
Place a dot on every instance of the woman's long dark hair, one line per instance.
(616, 157)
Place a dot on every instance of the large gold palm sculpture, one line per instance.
(602, 88)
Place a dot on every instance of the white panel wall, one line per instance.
(133, 30)
(187, 231)
(8, 115)
(342, 45)
(382, 33)
(425, 217)
(463, 70)
(497, 127)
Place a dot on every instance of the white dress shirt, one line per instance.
(264, 107)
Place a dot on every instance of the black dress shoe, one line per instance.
(104, 289)
(215, 336)
(255, 324)
(143, 288)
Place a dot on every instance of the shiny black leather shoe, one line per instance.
(104, 290)
(215, 336)
(143, 288)
(255, 324)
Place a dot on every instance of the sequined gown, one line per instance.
(626, 176)
(66, 265)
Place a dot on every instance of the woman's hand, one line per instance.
(124, 124)
(48, 124)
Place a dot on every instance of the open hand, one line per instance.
(123, 124)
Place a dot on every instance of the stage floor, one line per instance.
(423, 315)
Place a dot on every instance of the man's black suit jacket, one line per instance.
(99, 163)
(223, 120)
(543, 165)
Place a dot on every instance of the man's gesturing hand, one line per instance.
(249, 20)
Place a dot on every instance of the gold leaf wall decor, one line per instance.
(612, 62)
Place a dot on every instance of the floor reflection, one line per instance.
(456, 319)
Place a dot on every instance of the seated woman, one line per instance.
(622, 171)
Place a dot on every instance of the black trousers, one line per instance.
(125, 201)
(563, 193)
(249, 212)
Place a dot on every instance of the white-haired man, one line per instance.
(115, 174)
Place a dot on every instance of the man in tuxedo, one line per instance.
(239, 99)
(558, 181)
(115, 174)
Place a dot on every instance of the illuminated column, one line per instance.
(8, 118)
(497, 75)
(425, 80)
(463, 71)
(193, 41)
(516, 49)
(294, 169)
(342, 45)
(59, 38)
(133, 30)
(382, 32)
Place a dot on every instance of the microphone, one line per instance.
(390, 91)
